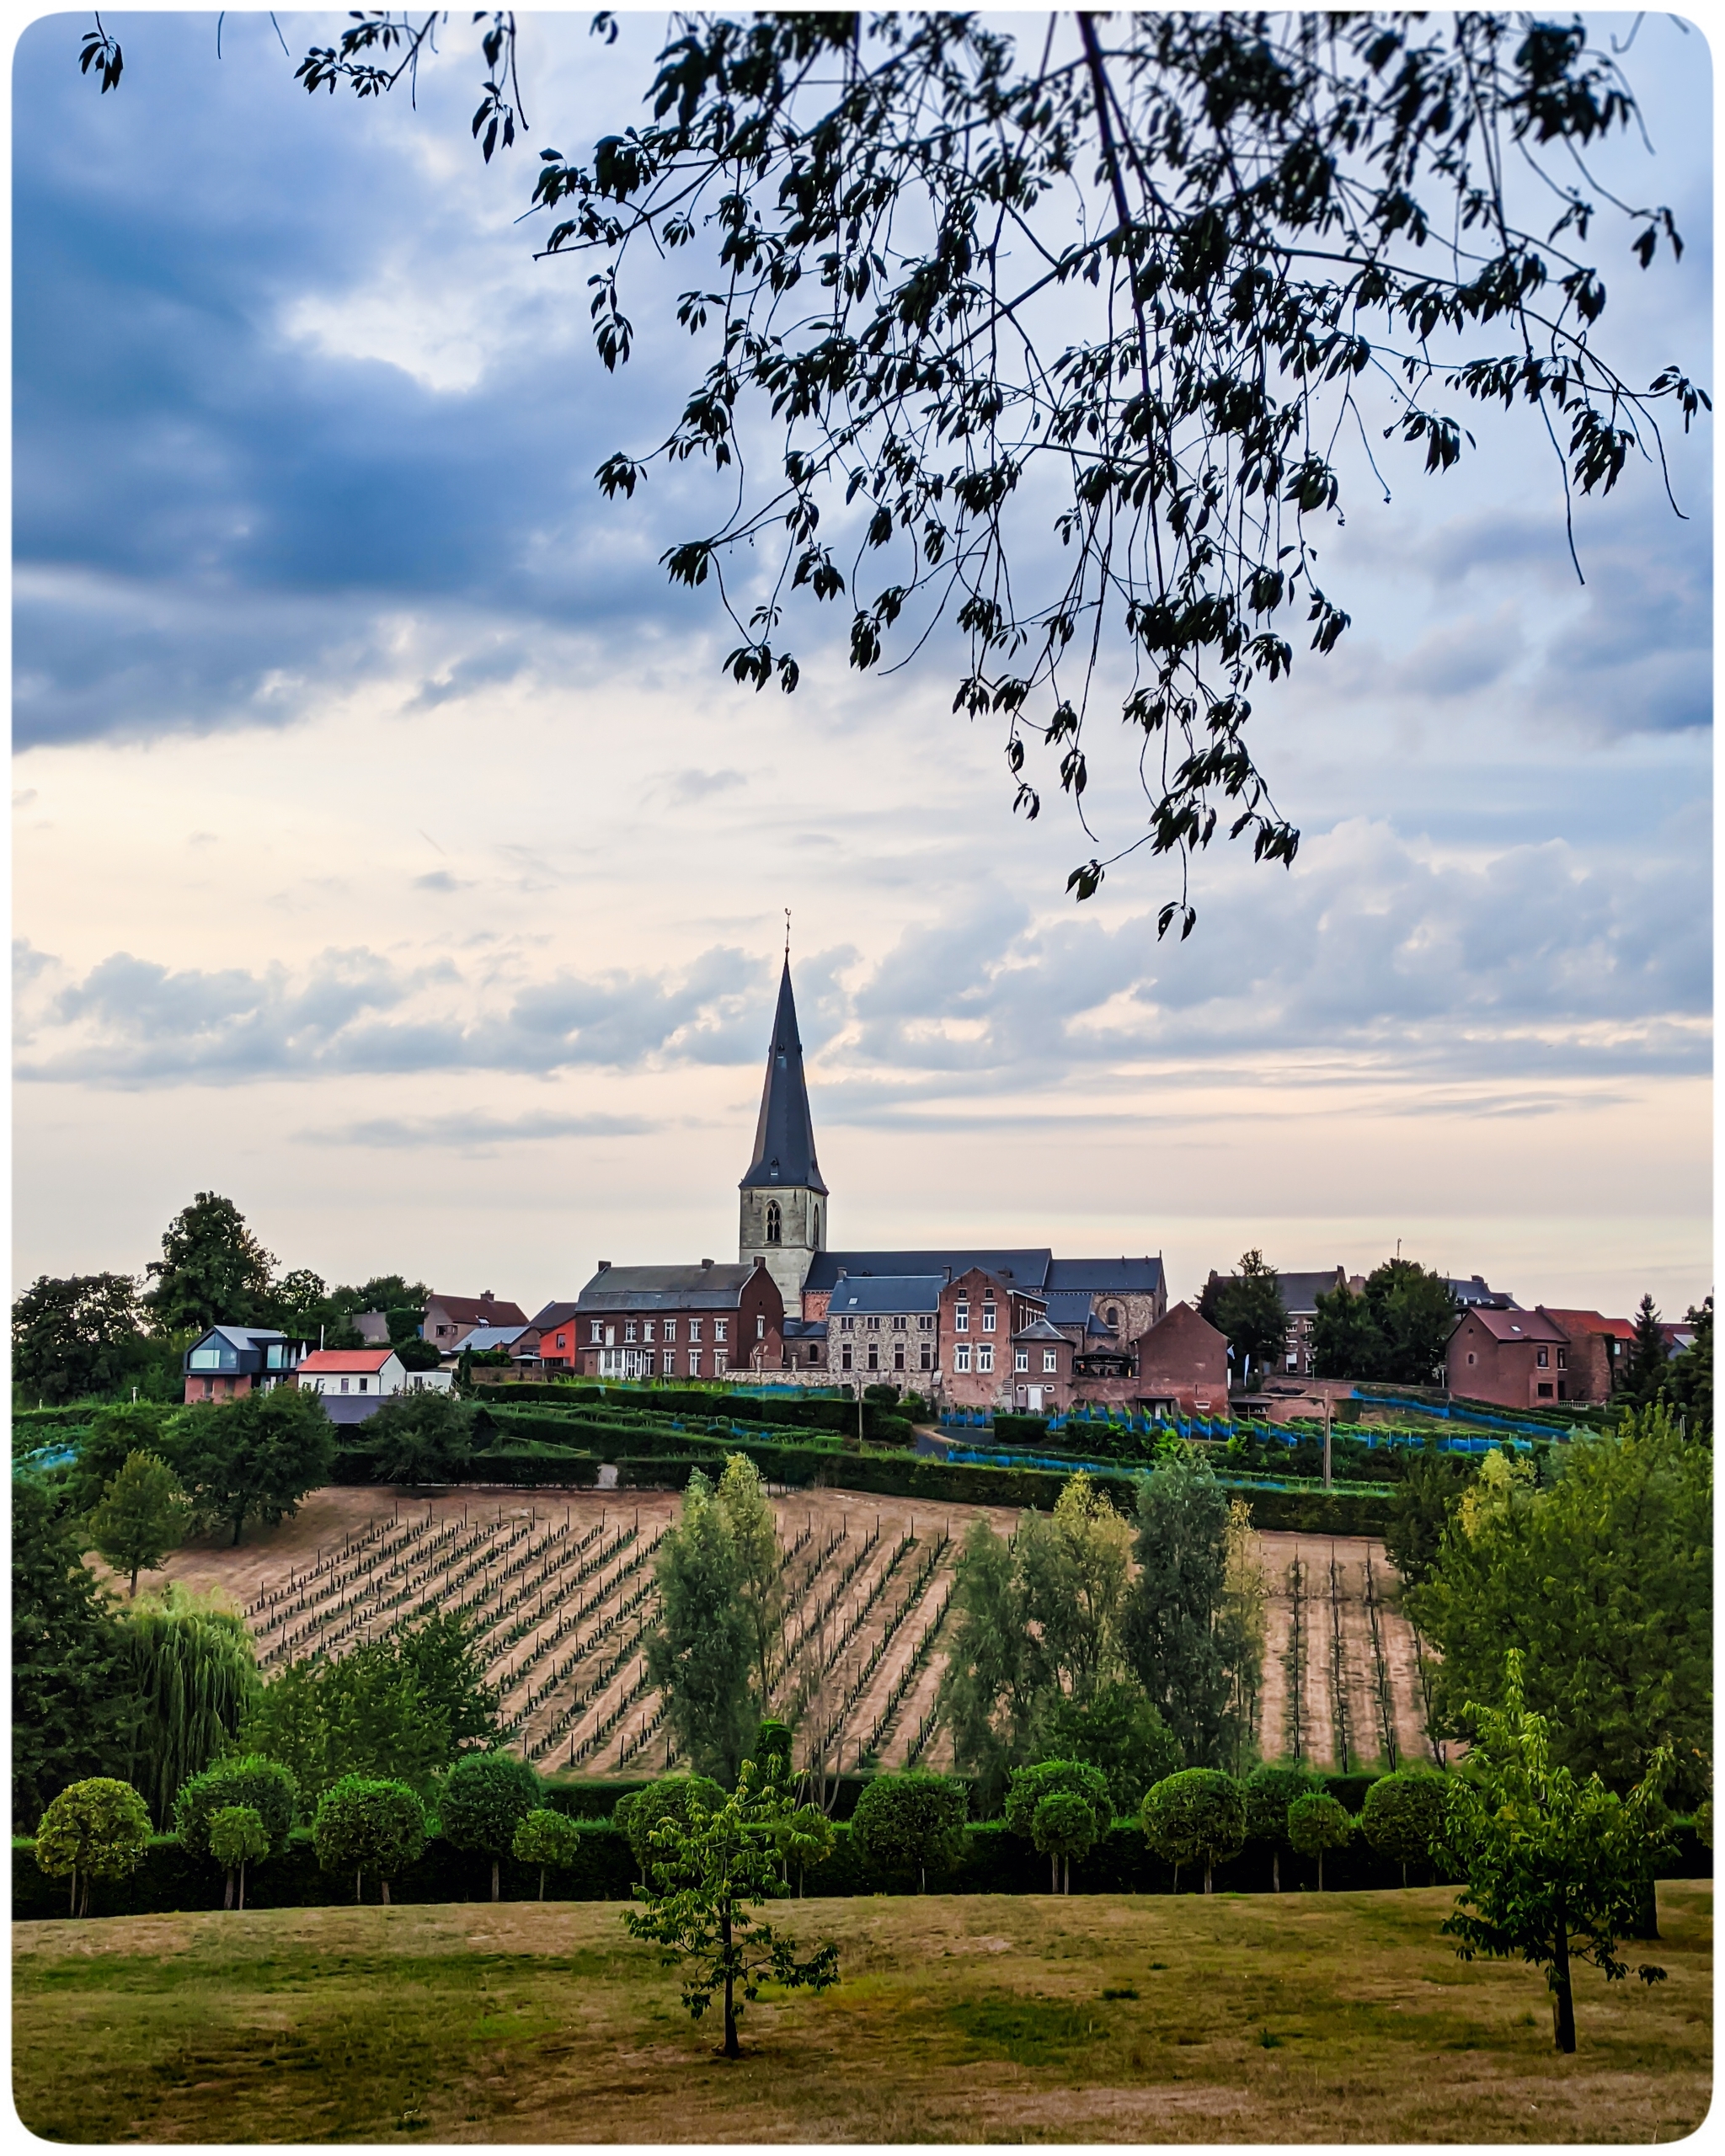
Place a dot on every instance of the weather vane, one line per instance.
(787, 935)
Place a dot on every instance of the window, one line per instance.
(694, 1328)
(760, 1328)
(207, 1358)
(1563, 1359)
(813, 1356)
(668, 1362)
(343, 1385)
(847, 1325)
(988, 1317)
(611, 1335)
(1111, 1316)
(277, 1351)
(775, 1222)
(209, 1387)
(694, 1363)
(1543, 1356)
(629, 1329)
(1021, 1358)
(721, 1328)
(897, 1354)
(596, 1332)
(671, 1328)
(874, 1354)
(845, 1356)
(985, 1358)
(961, 1319)
(1544, 1391)
(1051, 1361)
(873, 1324)
(924, 1325)
(563, 1340)
(961, 1360)
(363, 1382)
(647, 1331)
(1470, 1362)
(926, 1357)
(898, 1325)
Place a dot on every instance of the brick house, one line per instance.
(677, 1321)
(1511, 1358)
(1183, 1365)
(981, 1316)
(556, 1328)
(229, 1360)
(449, 1318)
(1043, 1357)
(885, 1329)
(1598, 1352)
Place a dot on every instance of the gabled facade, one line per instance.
(1183, 1365)
(1512, 1358)
(685, 1322)
(231, 1360)
(354, 1383)
(449, 1318)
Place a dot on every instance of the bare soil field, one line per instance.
(561, 1584)
(1164, 2018)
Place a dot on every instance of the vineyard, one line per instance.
(560, 1590)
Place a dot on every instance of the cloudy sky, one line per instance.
(392, 856)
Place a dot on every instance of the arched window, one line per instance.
(775, 1222)
(1111, 1316)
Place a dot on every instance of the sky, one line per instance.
(392, 856)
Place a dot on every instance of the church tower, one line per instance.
(783, 1216)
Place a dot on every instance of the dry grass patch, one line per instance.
(1235, 2019)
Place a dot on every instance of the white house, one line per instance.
(355, 1382)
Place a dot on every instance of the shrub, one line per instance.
(905, 1822)
(772, 1749)
(639, 1814)
(1403, 1815)
(806, 1836)
(1269, 1790)
(1196, 1817)
(547, 1839)
(1117, 1729)
(1030, 1786)
(1063, 1827)
(96, 1829)
(263, 1786)
(1317, 1823)
(486, 1795)
(238, 1837)
(364, 1825)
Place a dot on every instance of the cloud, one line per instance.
(696, 785)
(475, 1132)
(441, 879)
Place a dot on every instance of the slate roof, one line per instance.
(665, 1288)
(1069, 1306)
(1105, 1276)
(1472, 1294)
(1299, 1291)
(554, 1314)
(887, 1292)
(1022, 1268)
(1041, 1330)
(784, 1132)
(477, 1309)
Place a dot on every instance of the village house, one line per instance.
(227, 1361)
(885, 1328)
(1182, 1366)
(685, 1321)
(355, 1382)
(449, 1318)
(1509, 1359)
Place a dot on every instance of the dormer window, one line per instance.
(775, 1220)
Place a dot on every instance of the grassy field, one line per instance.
(1251, 2018)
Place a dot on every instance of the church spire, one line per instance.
(784, 1132)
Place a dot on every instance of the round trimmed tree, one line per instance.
(1196, 1817)
(365, 1825)
(549, 1840)
(253, 1783)
(1317, 1823)
(486, 1795)
(1063, 1827)
(1403, 1815)
(642, 1811)
(1269, 1790)
(238, 1837)
(1031, 1787)
(95, 1829)
(906, 1823)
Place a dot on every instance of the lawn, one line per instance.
(1298, 2017)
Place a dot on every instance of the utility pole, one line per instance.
(1327, 1440)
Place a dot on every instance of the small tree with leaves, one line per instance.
(1031, 1789)
(547, 1839)
(906, 1823)
(1247, 1306)
(1064, 1830)
(143, 1514)
(366, 1826)
(1557, 1867)
(485, 1798)
(707, 1876)
(96, 1829)
(1269, 1790)
(263, 1787)
(238, 1837)
(1196, 1817)
(1403, 1815)
(641, 1811)
(1316, 1823)
(806, 1837)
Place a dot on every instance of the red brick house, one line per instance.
(1041, 1369)
(449, 1318)
(688, 1322)
(1183, 1365)
(981, 1317)
(1598, 1352)
(1511, 1358)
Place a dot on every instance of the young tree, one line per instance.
(906, 1823)
(1269, 1790)
(485, 1797)
(366, 1713)
(1403, 1815)
(419, 1436)
(1117, 1731)
(1247, 1306)
(71, 1706)
(1648, 1365)
(806, 1837)
(997, 1674)
(754, 1531)
(213, 1270)
(1196, 1817)
(1431, 1486)
(1603, 1583)
(708, 1874)
(1241, 1631)
(546, 1838)
(1033, 1787)
(1064, 1830)
(675, 1796)
(73, 1338)
(1556, 1867)
(368, 1825)
(262, 1788)
(96, 1829)
(142, 1515)
(190, 1667)
(1316, 1823)
(701, 1654)
(440, 1653)
(238, 1837)
(1176, 1635)
(114, 1435)
(1074, 1563)
(255, 1457)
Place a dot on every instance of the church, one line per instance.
(1014, 1329)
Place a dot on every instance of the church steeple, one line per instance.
(783, 1214)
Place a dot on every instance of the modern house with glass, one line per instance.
(232, 1359)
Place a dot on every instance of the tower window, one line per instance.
(1111, 1316)
(775, 1222)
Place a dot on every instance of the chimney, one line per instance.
(605, 1265)
(707, 1265)
(487, 1296)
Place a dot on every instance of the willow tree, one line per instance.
(190, 1666)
